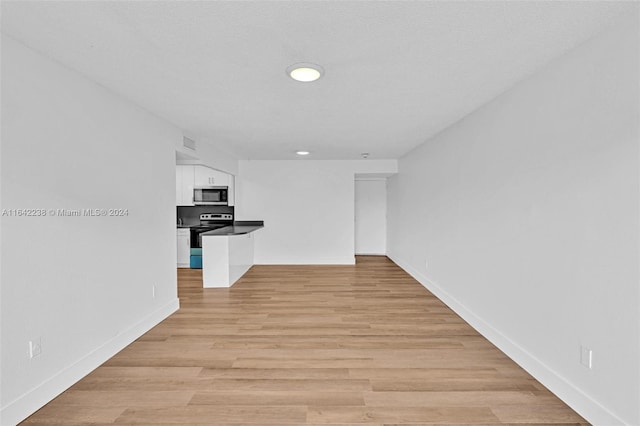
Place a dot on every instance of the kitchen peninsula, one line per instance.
(227, 253)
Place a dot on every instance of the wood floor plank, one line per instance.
(324, 345)
(63, 415)
(406, 415)
(176, 372)
(458, 399)
(534, 413)
(423, 373)
(213, 383)
(277, 373)
(287, 397)
(449, 384)
(216, 414)
(123, 398)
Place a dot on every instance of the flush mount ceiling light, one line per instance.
(303, 152)
(305, 72)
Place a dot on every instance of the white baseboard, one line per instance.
(343, 260)
(27, 404)
(584, 405)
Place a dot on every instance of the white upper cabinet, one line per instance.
(204, 176)
(184, 185)
(232, 190)
(188, 177)
(178, 185)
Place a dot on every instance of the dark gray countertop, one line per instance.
(239, 227)
(232, 230)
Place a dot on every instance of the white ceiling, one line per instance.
(396, 73)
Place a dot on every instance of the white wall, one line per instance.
(307, 206)
(371, 216)
(208, 155)
(527, 213)
(81, 284)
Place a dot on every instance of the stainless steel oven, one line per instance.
(208, 222)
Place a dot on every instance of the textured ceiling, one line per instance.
(396, 73)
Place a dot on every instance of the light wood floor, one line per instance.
(309, 345)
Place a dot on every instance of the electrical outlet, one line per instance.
(153, 291)
(586, 357)
(35, 347)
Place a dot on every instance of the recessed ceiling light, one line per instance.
(305, 72)
(303, 152)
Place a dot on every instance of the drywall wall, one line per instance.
(207, 154)
(527, 214)
(81, 285)
(307, 207)
(371, 216)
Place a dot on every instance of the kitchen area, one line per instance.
(208, 236)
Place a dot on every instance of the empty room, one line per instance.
(320, 212)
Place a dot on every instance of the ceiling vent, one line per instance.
(189, 143)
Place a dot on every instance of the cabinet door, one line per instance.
(184, 248)
(232, 190)
(200, 176)
(179, 186)
(185, 174)
(205, 176)
(219, 178)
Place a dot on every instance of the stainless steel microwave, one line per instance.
(211, 196)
